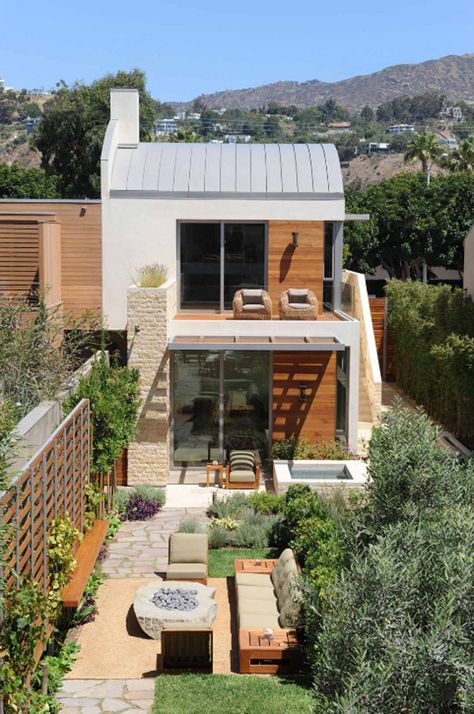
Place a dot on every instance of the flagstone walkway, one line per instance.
(106, 696)
(140, 549)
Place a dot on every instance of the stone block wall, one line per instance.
(148, 313)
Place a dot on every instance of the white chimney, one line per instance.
(124, 110)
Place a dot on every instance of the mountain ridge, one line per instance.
(452, 75)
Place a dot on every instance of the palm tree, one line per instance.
(462, 158)
(425, 148)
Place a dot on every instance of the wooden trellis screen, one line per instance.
(52, 483)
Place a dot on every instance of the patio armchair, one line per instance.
(242, 470)
(252, 304)
(187, 557)
(299, 304)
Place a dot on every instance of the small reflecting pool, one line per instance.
(322, 476)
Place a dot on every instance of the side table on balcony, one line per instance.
(214, 467)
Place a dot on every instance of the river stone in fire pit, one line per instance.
(175, 599)
(153, 618)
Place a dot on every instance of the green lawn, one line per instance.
(230, 694)
(221, 560)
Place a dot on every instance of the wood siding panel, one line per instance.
(19, 257)
(314, 419)
(377, 310)
(300, 267)
(81, 250)
(50, 262)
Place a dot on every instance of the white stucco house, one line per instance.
(225, 219)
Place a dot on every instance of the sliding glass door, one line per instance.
(246, 401)
(216, 260)
(220, 402)
(200, 265)
(196, 403)
(244, 258)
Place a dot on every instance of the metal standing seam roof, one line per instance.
(258, 171)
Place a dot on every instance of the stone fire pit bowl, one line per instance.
(153, 619)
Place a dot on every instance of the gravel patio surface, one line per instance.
(114, 646)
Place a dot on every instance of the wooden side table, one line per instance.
(214, 467)
(261, 565)
(258, 655)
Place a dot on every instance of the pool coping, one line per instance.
(282, 478)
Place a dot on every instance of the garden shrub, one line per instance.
(58, 665)
(121, 497)
(433, 336)
(191, 525)
(301, 503)
(139, 508)
(266, 502)
(396, 634)
(138, 503)
(62, 540)
(409, 470)
(88, 607)
(26, 614)
(36, 359)
(289, 449)
(233, 506)
(151, 276)
(218, 537)
(246, 521)
(387, 588)
(150, 493)
(113, 393)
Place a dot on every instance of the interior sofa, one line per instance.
(187, 557)
(268, 600)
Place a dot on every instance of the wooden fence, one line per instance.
(52, 483)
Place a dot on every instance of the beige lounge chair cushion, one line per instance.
(188, 548)
(254, 579)
(252, 296)
(257, 607)
(261, 621)
(186, 571)
(241, 476)
(242, 460)
(255, 592)
(298, 296)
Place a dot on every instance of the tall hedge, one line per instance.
(395, 630)
(433, 335)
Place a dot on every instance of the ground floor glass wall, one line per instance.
(220, 402)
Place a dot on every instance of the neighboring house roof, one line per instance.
(252, 171)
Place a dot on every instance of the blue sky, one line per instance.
(191, 47)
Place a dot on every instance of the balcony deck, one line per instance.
(326, 316)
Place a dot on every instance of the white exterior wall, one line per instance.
(140, 231)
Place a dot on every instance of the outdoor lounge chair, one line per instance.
(242, 470)
(252, 304)
(187, 557)
(298, 305)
